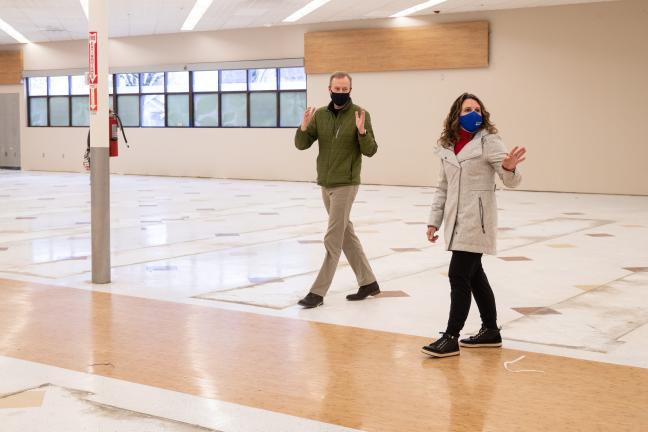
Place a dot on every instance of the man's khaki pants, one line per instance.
(339, 238)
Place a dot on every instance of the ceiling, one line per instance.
(55, 20)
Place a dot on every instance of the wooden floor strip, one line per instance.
(358, 378)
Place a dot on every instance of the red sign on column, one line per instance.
(92, 58)
(93, 78)
(93, 98)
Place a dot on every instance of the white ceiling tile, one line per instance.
(50, 20)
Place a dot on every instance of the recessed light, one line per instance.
(417, 8)
(196, 14)
(5, 27)
(84, 6)
(310, 7)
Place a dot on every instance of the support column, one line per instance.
(100, 163)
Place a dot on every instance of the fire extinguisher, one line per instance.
(114, 123)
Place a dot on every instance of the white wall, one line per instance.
(567, 82)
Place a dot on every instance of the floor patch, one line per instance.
(587, 287)
(536, 311)
(515, 258)
(636, 269)
(27, 399)
(389, 294)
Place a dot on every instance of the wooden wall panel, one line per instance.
(11, 67)
(443, 46)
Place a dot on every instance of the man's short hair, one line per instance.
(340, 75)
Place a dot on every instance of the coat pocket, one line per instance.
(481, 214)
(485, 211)
(482, 190)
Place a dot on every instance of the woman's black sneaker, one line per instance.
(485, 338)
(446, 346)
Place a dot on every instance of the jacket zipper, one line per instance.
(336, 127)
(454, 229)
(328, 156)
(481, 214)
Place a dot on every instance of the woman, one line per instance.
(471, 153)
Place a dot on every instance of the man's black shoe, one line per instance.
(311, 301)
(365, 291)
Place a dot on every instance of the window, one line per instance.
(263, 109)
(292, 78)
(59, 86)
(38, 111)
(128, 83)
(152, 107)
(59, 111)
(38, 86)
(152, 82)
(80, 111)
(233, 80)
(152, 110)
(262, 79)
(258, 98)
(293, 105)
(178, 109)
(79, 86)
(177, 82)
(129, 110)
(206, 110)
(205, 81)
(234, 110)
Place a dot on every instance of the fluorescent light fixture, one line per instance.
(13, 32)
(310, 7)
(417, 8)
(196, 14)
(84, 5)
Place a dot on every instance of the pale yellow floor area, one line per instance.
(357, 378)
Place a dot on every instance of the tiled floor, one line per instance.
(571, 280)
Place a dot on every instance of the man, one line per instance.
(344, 133)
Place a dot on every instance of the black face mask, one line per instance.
(340, 99)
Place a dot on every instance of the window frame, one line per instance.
(191, 94)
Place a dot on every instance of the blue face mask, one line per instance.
(471, 121)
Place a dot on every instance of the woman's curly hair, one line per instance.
(450, 134)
